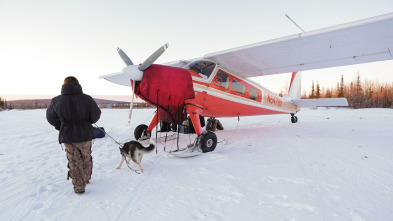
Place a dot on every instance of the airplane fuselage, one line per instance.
(225, 94)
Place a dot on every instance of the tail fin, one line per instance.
(295, 88)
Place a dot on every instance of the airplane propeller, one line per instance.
(150, 60)
(135, 72)
(125, 58)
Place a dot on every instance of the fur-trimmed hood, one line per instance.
(71, 88)
(72, 113)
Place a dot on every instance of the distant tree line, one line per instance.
(3, 103)
(125, 105)
(44, 103)
(359, 94)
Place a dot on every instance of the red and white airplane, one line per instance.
(217, 84)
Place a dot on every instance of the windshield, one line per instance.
(203, 68)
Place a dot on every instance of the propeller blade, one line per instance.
(153, 58)
(125, 58)
(132, 101)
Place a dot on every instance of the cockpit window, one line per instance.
(238, 87)
(222, 79)
(253, 93)
(203, 68)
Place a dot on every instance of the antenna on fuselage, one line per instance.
(294, 23)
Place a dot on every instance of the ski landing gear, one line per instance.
(205, 142)
(293, 118)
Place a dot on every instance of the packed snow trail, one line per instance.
(334, 164)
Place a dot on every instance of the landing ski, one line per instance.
(191, 151)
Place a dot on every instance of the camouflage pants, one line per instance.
(80, 164)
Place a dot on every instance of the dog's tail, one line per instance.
(151, 147)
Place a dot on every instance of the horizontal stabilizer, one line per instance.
(321, 102)
(119, 78)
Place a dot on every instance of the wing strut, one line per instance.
(295, 23)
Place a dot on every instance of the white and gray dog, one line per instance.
(134, 150)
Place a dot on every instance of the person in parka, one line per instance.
(72, 113)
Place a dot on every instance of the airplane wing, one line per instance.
(357, 42)
(180, 63)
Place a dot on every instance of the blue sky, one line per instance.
(42, 42)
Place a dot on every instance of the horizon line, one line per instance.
(13, 97)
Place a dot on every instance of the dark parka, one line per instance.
(72, 113)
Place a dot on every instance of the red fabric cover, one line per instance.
(174, 86)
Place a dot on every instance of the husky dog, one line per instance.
(134, 150)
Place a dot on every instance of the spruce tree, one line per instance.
(328, 93)
(341, 92)
(312, 95)
(1, 102)
(358, 99)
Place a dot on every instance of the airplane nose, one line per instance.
(133, 72)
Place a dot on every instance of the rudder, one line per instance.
(295, 88)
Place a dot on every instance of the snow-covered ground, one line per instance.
(334, 164)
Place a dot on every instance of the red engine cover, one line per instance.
(167, 88)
